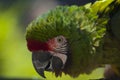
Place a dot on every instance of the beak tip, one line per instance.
(41, 73)
(43, 76)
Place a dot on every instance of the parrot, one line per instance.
(77, 39)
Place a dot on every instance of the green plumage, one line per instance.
(87, 30)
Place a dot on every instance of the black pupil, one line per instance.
(59, 39)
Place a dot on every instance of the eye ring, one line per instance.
(60, 39)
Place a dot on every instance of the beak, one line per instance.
(44, 61)
(41, 61)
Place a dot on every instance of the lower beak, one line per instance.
(44, 61)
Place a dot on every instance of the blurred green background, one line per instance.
(15, 59)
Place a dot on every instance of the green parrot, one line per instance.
(77, 39)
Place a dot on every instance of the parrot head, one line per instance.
(50, 55)
(60, 41)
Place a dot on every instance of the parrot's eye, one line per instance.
(60, 39)
(61, 44)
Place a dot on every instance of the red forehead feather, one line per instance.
(34, 45)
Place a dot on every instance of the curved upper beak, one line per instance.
(44, 61)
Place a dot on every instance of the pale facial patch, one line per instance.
(58, 45)
(63, 57)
